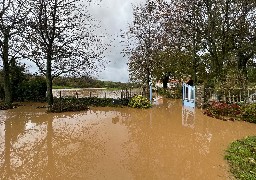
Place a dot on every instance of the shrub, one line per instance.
(80, 104)
(139, 102)
(249, 113)
(241, 156)
(220, 109)
(33, 90)
(69, 104)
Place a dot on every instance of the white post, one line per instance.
(150, 92)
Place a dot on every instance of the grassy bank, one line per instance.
(241, 156)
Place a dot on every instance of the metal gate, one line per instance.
(188, 95)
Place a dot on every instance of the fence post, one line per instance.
(60, 102)
(90, 94)
(76, 94)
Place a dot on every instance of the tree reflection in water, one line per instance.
(42, 146)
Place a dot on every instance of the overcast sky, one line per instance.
(114, 15)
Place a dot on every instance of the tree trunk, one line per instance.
(6, 72)
(242, 63)
(165, 81)
(49, 81)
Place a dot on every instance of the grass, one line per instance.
(241, 156)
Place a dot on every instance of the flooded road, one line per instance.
(167, 141)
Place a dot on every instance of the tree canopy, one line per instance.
(208, 39)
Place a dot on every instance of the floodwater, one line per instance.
(167, 141)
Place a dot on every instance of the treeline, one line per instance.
(24, 86)
(90, 82)
(28, 87)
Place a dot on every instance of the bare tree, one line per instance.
(63, 40)
(13, 15)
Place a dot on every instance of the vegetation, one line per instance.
(13, 16)
(56, 35)
(90, 82)
(241, 156)
(63, 40)
(24, 87)
(225, 111)
(174, 93)
(80, 104)
(139, 102)
(249, 113)
(214, 41)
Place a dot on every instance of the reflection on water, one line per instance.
(188, 116)
(116, 143)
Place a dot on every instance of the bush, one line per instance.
(241, 156)
(139, 102)
(69, 104)
(249, 113)
(33, 90)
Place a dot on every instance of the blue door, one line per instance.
(188, 95)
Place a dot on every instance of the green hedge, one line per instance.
(33, 90)
(80, 104)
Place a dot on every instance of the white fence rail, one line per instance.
(232, 95)
(95, 92)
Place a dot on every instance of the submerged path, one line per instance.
(165, 142)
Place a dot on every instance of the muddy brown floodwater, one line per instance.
(165, 142)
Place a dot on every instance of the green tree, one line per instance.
(145, 39)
